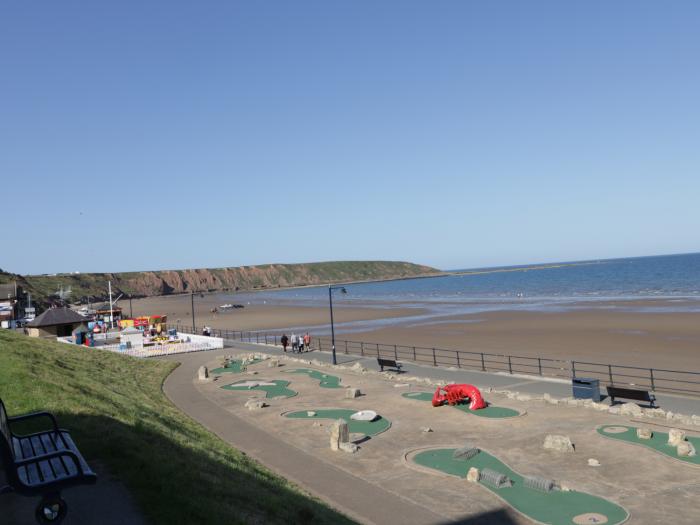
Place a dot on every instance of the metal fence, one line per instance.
(656, 379)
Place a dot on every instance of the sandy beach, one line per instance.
(606, 332)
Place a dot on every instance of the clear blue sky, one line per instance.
(162, 134)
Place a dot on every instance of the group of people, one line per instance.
(298, 342)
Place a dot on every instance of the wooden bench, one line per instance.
(41, 464)
(631, 393)
(389, 363)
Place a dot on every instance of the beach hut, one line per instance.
(56, 322)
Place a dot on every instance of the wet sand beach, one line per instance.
(605, 332)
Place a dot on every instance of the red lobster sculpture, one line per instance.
(454, 394)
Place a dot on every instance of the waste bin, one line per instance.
(586, 388)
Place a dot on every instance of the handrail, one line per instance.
(655, 378)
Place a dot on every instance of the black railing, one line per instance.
(660, 380)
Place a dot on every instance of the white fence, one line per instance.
(192, 343)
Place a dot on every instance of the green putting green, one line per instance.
(368, 428)
(554, 508)
(489, 412)
(274, 388)
(235, 367)
(658, 441)
(327, 381)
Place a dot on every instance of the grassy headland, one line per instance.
(268, 276)
(114, 407)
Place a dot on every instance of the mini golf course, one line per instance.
(555, 507)
(658, 441)
(488, 412)
(234, 367)
(326, 380)
(368, 428)
(274, 388)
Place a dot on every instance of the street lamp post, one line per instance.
(330, 302)
(192, 297)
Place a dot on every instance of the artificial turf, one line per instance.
(489, 412)
(368, 428)
(554, 508)
(278, 390)
(326, 381)
(658, 442)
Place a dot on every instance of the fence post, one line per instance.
(414, 353)
(651, 376)
(573, 369)
(483, 364)
(362, 348)
(377, 349)
(434, 358)
(396, 357)
(257, 337)
(510, 366)
(539, 365)
(610, 374)
(346, 347)
(458, 364)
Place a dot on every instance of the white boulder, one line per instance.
(559, 443)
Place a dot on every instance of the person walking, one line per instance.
(307, 341)
(285, 341)
(295, 343)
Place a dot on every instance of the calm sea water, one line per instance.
(571, 286)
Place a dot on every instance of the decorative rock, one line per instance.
(352, 393)
(357, 367)
(473, 475)
(615, 411)
(644, 433)
(675, 436)
(203, 373)
(426, 429)
(318, 424)
(348, 447)
(401, 385)
(255, 404)
(524, 397)
(339, 434)
(274, 363)
(558, 443)
(310, 413)
(654, 412)
(602, 407)
(631, 409)
(592, 462)
(685, 449)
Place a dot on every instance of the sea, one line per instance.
(673, 281)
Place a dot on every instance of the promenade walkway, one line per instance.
(518, 382)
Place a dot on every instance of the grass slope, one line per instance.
(115, 408)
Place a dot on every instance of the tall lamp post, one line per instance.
(192, 297)
(330, 302)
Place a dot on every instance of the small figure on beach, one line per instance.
(307, 341)
(285, 341)
(295, 343)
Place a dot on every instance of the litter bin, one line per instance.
(586, 388)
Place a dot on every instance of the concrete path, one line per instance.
(520, 383)
(361, 500)
(106, 503)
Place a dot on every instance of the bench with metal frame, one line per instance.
(41, 464)
(389, 363)
(631, 393)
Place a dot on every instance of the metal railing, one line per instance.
(656, 379)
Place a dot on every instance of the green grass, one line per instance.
(279, 390)
(178, 472)
(368, 428)
(326, 381)
(555, 508)
(490, 411)
(658, 442)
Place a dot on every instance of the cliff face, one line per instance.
(144, 284)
